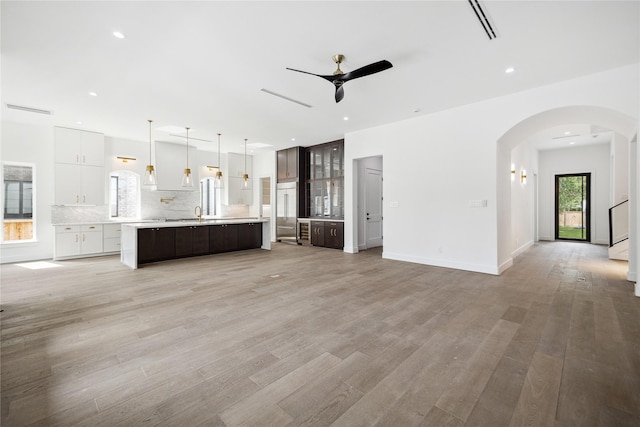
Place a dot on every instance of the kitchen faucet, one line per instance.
(198, 211)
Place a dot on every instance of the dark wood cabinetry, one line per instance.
(334, 235)
(191, 241)
(223, 238)
(289, 162)
(156, 244)
(317, 233)
(163, 243)
(324, 181)
(327, 234)
(249, 236)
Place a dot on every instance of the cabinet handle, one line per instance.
(92, 227)
(77, 199)
(76, 238)
(84, 199)
(77, 158)
(67, 228)
(83, 237)
(84, 160)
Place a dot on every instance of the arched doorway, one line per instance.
(604, 117)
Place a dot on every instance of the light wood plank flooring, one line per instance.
(302, 336)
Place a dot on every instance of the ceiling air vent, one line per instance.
(29, 109)
(483, 18)
(295, 101)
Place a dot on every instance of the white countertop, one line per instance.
(186, 223)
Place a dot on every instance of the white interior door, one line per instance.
(373, 207)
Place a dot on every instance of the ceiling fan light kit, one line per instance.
(338, 78)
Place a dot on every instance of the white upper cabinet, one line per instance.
(79, 168)
(171, 161)
(78, 147)
(233, 169)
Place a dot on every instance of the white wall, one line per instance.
(620, 154)
(523, 208)
(264, 166)
(31, 144)
(435, 164)
(592, 159)
(363, 165)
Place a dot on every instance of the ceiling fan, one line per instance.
(338, 78)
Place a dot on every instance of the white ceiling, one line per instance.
(203, 64)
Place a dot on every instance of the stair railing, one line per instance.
(618, 223)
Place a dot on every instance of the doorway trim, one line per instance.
(586, 220)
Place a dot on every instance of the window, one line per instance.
(124, 195)
(18, 202)
(208, 197)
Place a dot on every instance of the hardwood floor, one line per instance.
(302, 336)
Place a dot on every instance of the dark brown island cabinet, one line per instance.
(163, 243)
(156, 244)
(192, 240)
(328, 234)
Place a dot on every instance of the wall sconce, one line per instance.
(211, 168)
(513, 172)
(125, 159)
(523, 176)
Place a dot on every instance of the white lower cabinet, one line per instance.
(78, 240)
(111, 237)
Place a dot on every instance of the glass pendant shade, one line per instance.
(245, 175)
(187, 179)
(149, 178)
(219, 182)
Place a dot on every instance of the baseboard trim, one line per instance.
(522, 249)
(478, 268)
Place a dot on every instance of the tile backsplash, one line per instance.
(154, 205)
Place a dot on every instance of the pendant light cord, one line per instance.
(150, 121)
(187, 147)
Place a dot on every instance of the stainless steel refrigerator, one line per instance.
(286, 212)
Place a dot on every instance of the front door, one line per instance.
(573, 207)
(373, 207)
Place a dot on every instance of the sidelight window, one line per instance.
(18, 202)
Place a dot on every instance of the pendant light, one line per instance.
(187, 179)
(245, 176)
(150, 172)
(219, 183)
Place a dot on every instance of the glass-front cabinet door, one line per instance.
(325, 180)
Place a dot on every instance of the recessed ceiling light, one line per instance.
(346, 118)
(118, 35)
(571, 143)
(78, 122)
(93, 94)
(567, 133)
(293, 139)
(509, 70)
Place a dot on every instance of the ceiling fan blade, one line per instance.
(376, 67)
(305, 72)
(339, 93)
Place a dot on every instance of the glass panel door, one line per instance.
(573, 207)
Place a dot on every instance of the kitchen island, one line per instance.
(145, 242)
